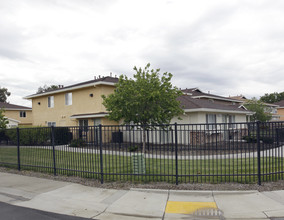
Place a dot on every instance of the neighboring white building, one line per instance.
(12, 123)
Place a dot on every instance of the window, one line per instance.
(49, 124)
(83, 124)
(23, 114)
(50, 101)
(210, 121)
(68, 98)
(97, 121)
(232, 120)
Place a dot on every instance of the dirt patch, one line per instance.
(267, 186)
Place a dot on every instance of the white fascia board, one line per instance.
(217, 111)
(217, 98)
(17, 109)
(14, 120)
(69, 89)
(89, 116)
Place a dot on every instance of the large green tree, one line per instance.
(272, 97)
(147, 100)
(259, 109)
(4, 94)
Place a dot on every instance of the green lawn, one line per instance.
(119, 167)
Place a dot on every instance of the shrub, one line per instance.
(3, 136)
(62, 135)
(250, 139)
(78, 143)
(267, 140)
(133, 148)
(30, 137)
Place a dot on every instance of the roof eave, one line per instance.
(217, 111)
(217, 98)
(88, 116)
(69, 89)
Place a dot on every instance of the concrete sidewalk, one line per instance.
(98, 203)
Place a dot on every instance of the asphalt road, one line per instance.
(11, 212)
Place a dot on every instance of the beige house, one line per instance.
(280, 109)
(16, 114)
(79, 104)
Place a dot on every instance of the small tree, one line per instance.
(4, 94)
(146, 101)
(3, 120)
(259, 109)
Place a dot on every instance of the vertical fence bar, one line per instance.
(176, 152)
(18, 149)
(53, 150)
(258, 153)
(101, 153)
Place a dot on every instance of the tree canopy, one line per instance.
(259, 109)
(4, 94)
(46, 88)
(272, 97)
(146, 100)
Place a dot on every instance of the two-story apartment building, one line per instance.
(17, 114)
(78, 104)
(81, 104)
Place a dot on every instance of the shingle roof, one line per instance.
(195, 93)
(280, 103)
(187, 102)
(13, 107)
(107, 79)
(103, 79)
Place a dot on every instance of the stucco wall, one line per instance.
(200, 118)
(280, 111)
(15, 114)
(86, 100)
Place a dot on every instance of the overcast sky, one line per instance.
(225, 47)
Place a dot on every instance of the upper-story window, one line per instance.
(210, 121)
(68, 98)
(23, 114)
(50, 101)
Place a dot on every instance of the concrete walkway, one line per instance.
(98, 203)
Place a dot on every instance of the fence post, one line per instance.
(258, 153)
(176, 152)
(53, 149)
(18, 149)
(101, 153)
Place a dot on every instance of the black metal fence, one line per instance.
(176, 153)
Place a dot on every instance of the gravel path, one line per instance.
(267, 186)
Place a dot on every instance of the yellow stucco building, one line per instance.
(79, 104)
(16, 114)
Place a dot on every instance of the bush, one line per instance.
(250, 139)
(133, 148)
(30, 136)
(78, 143)
(3, 136)
(267, 140)
(62, 135)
